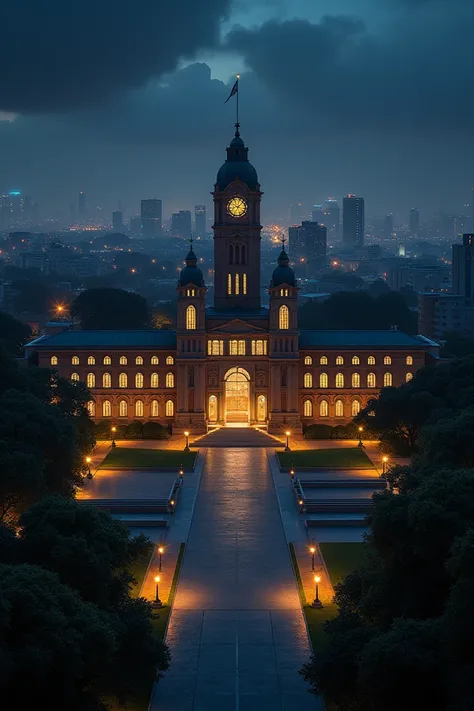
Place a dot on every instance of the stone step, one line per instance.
(237, 437)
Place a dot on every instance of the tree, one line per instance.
(448, 442)
(456, 345)
(31, 297)
(110, 309)
(13, 333)
(21, 481)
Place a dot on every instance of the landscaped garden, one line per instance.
(131, 458)
(332, 458)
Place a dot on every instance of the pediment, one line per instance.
(236, 325)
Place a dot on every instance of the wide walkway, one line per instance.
(237, 633)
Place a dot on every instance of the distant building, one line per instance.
(296, 213)
(317, 214)
(414, 221)
(463, 267)
(440, 313)
(388, 225)
(81, 205)
(181, 224)
(296, 245)
(421, 278)
(117, 221)
(332, 217)
(135, 225)
(200, 220)
(315, 245)
(353, 221)
(152, 216)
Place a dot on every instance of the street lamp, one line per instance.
(287, 447)
(88, 462)
(161, 550)
(186, 434)
(361, 444)
(114, 430)
(181, 474)
(157, 602)
(384, 465)
(317, 602)
(312, 550)
(292, 473)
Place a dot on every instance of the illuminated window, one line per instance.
(106, 380)
(123, 408)
(75, 360)
(91, 360)
(123, 360)
(154, 360)
(339, 380)
(259, 347)
(75, 377)
(154, 380)
(387, 360)
(169, 380)
(169, 408)
(123, 380)
(107, 360)
(237, 284)
(323, 380)
(339, 360)
(54, 360)
(371, 360)
(241, 347)
(355, 360)
(139, 380)
(191, 318)
(154, 410)
(408, 377)
(229, 283)
(90, 380)
(215, 347)
(409, 360)
(284, 318)
(371, 380)
(387, 380)
(139, 408)
(308, 408)
(139, 360)
(308, 380)
(233, 348)
(323, 408)
(91, 408)
(106, 408)
(355, 408)
(244, 283)
(169, 360)
(339, 408)
(323, 360)
(284, 292)
(190, 292)
(308, 360)
(356, 380)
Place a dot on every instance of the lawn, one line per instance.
(138, 570)
(341, 558)
(334, 458)
(130, 458)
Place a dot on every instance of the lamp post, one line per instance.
(287, 447)
(292, 473)
(361, 444)
(317, 602)
(312, 550)
(384, 465)
(181, 474)
(157, 602)
(88, 462)
(161, 550)
(114, 430)
(186, 448)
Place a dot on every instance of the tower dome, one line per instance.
(237, 165)
(283, 273)
(191, 274)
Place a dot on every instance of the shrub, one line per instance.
(318, 432)
(153, 430)
(134, 430)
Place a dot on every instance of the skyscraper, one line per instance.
(295, 213)
(414, 221)
(353, 221)
(151, 214)
(117, 221)
(332, 217)
(388, 225)
(181, 224)
(296, 247)
(317, 214)
(315, 245)
(463, 267)
(200, 220)
(81, 205)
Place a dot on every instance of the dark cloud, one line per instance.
(59, 54)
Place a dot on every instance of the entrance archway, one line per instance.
(261, 408)
(237, 395)
(212, 408)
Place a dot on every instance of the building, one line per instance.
(353, 221)
(421, 278)
(414, 221)
(318, 214)
(315, 245)
(117, 221)
(388, 226)
(151, 216)
(200, 220)
(332, 217)
(439, 314)
(181, 224)
(463, 267)
(236, 361)
(296, 246)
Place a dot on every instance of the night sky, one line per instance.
(125, 99)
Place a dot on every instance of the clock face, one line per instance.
(237, 207)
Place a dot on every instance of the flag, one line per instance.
(234, 90)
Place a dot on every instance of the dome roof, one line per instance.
(191, 274)
(237, 166)
(283, 274)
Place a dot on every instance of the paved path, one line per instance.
(237, 633)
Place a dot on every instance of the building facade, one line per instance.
(353, 221)
(235, 362)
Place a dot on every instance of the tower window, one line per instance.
(229, 284)
(191, 318)
(284, 318)
(244, 283)
(54, 360)
(237, 284)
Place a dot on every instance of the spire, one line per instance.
(191, 259)
(283, 259)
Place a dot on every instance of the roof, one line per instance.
(151, 338)
(363, 339)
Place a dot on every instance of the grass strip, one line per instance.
(332, 458)
(131, 458)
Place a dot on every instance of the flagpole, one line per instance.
(237, 125)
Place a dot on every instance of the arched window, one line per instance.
(323, 408)
(323, 380)
(91, 408)
(409, 360)
(339, 380)
(139, 380)
(75, 377)
(169, 360)
(106, 380)
(169, 408)
(355, 360)
(308, 380)
(90, 380)
(139, 408)
(75, 360)
(371, 380)
(308, 408)
(123, 408)
(154, 411)
(237, 284)
(154, 380)
(154, 360)
(233, 348)
(308, 360)
(169, 380)
(284, 318)
(123, 360)
(371, 360)
(323, 360)
(106, 409)
(139, 360)
(387, 360)
(107, 360)
(408, 377)
(339, 408)
(123, 380)
(356, 380)
(387, 380)
(339, 360)
(229, 284)
(54, 360)
(244, 283)
(91, 360)
(355, 408)
(191, 318)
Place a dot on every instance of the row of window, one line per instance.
(139, 408)
(236, 347)
(123, 380)
(324, 408)
(236, 285)
(355, 380)
(107, 360)
(355, 360)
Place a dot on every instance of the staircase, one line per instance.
(237, 437)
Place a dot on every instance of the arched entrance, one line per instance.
(261, 408)
(237, 395)
(212, 408)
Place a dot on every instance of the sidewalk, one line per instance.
(304, 559)
(168, 567)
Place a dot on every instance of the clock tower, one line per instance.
(237, 230)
